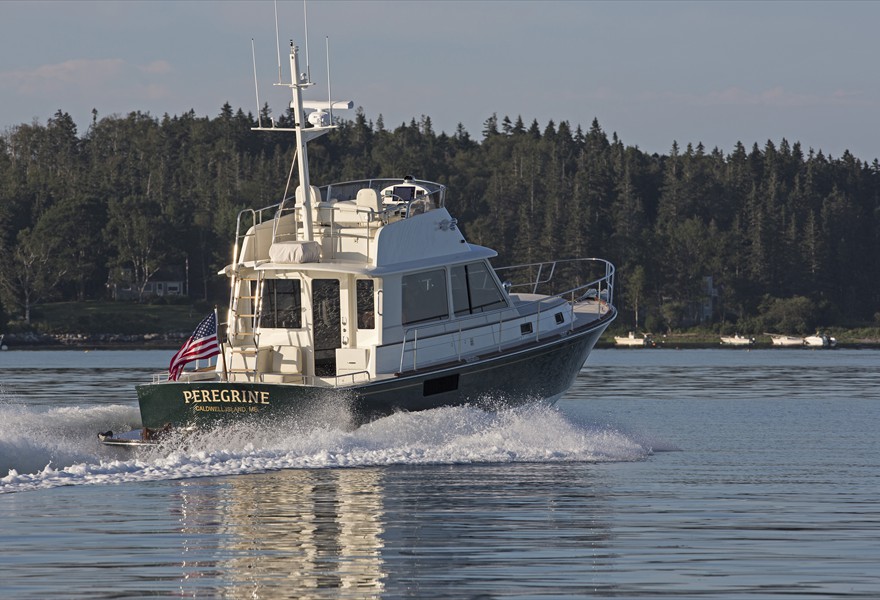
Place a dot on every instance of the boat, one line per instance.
(820, 340)
(737, 340)
(366, 293)
(631, 340)
(785, 340)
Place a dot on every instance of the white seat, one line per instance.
(289, 359)
(369, 199)
(323, 212)
(314, 199)
(366, 207)
(285, 366)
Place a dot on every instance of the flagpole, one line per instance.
(222, 350)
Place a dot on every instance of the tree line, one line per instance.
(770, 237)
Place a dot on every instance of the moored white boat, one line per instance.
(785, 340)
(737, 340)
(632, 340)
(820, 340)
(366, 293)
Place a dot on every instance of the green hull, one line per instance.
(542, 371)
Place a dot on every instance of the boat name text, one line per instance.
(238, 396)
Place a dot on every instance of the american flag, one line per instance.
(200, 345)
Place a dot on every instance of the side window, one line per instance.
(282, 304)
(424, 296)
(366, 312)
(484, 294)
(474, 290)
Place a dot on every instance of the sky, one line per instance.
(652, 72)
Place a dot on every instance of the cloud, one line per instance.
(775, 97)
(154, 91)
(55, 78)
(157, 67)
(734, 96)
(77, 75)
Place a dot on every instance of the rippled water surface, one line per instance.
(662, 473)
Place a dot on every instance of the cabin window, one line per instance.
(366, 311)
(474, 289)
(282, 304)
(424, 296)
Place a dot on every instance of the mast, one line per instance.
(301, 142)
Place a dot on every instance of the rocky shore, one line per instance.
(41, 341)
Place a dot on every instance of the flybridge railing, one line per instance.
(423, 196)
(256, 218)
(347, 190)
(499, 332)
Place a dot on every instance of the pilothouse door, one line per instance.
(327, 324)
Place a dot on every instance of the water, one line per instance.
(662, 473)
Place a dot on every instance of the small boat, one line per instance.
(820, 340)
(737, 340)
(366, 293)
(785, 340)
(631, 340)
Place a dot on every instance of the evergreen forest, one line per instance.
(771, 237)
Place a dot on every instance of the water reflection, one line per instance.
(464, 531)
(450, 531)
(314, 534)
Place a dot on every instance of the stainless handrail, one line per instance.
(352, 375)
(609, 274)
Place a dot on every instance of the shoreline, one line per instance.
(101, 341)
(674, 345)
(172, 342)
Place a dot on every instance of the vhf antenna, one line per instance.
(256, 87)
(277, 42)
(308, 63)
(329, 94)
(278, 45)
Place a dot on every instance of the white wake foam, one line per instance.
(60, 447)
